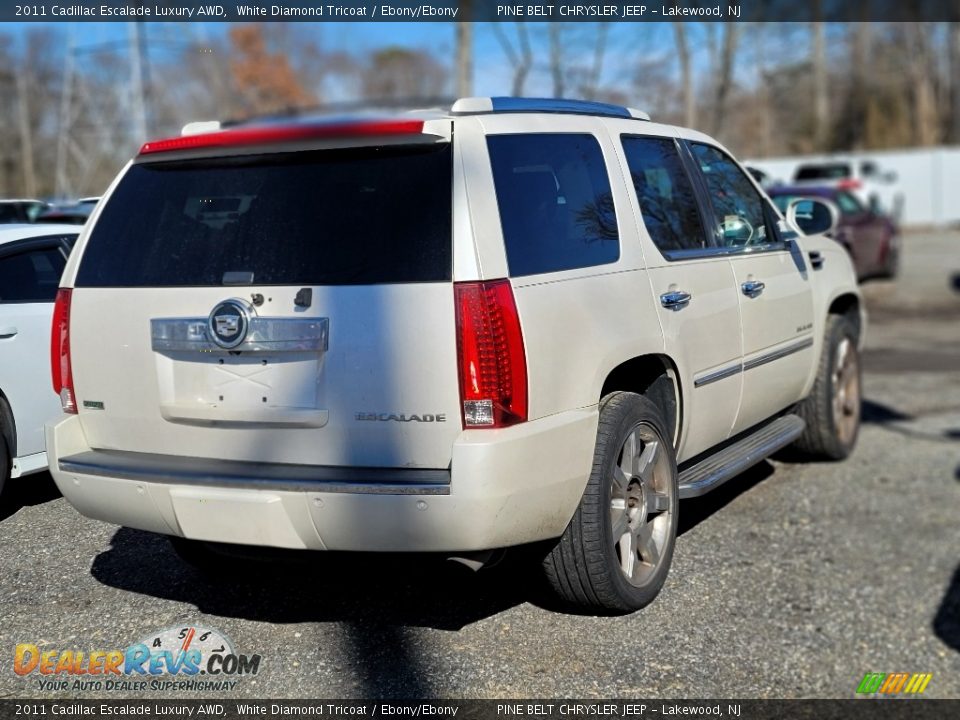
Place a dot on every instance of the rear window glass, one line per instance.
(333, 217)
(831, 171)
(555, 204)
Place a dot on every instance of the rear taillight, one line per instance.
(849, 184)
(60, 352)
(493, 367)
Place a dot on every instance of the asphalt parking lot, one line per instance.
(794, 580)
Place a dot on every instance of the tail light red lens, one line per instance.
(493, 365)
(60, 352)
(850, 184)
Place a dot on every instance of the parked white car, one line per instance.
(514, 321)
(32, 259)
(863, 178)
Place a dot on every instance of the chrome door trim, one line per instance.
(717, 375)
(778, 354)
(731, 370)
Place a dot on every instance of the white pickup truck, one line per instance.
(450, 331)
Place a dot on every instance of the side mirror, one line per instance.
(813, 216)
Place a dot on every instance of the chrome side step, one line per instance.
(716, 469)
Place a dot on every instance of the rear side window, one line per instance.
(555, 204)
(31, 276)
(333, 217)
(665, 194)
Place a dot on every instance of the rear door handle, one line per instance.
(816, 259)
(675, 299)
(7, 333)
(752, 288)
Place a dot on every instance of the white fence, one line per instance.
(927, 179)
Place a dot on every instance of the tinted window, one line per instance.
(555, 204)
(11, 213)
(829, 171)
(335, 217)
(665, 194)
(31, 276)
(737, 206)
(849, 205)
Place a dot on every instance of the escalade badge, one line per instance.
(228, 323)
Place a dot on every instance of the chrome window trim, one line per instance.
(263, 335)
(694, 254)
(731, 370)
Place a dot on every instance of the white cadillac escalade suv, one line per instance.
(450, 331)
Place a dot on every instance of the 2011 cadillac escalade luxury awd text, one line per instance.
(515, 321)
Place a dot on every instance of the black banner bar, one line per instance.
(481, 11)
(862, 709)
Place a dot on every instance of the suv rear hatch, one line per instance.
(273, 304)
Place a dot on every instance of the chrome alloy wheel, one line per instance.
(642, 499)
(846, 390)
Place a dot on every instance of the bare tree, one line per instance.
(953, 63)
(686, 75)
(921, 71)
(818, 60)
(556, 60)
(591, 85)
(724, 79)
(465, 55)
(860, 80)
(399, 73)
(520, 55)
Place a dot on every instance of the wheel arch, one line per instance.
(654, 376)
(849, 305)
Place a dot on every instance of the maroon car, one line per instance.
(871, 238)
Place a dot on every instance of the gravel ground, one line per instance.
(791, 581)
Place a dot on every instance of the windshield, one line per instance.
(828, 171)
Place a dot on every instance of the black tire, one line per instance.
(586, 569)
(832, 410)
(6, 455)
(5, 464)
(891, 265)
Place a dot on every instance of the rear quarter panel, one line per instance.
(577, 324)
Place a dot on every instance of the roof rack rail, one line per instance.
(479, 105)
(347, 108)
